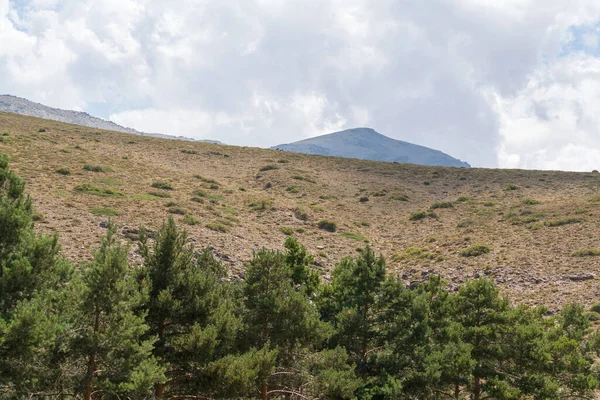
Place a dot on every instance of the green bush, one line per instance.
(302, 178)
(442, 204)
(354, 236)
(363, 199)
(511, 187)
(63, 171)
(260, 205)
(563, 221)
(186, 151)
(301, 214)
(475, 250)
(206, 180)
(292, 189)
(96, 168)
(189, 219)
(419, 215)
(327, 225)
(595, 308)
(269, 167)
(463, 199)
(399, 197)
(286, 230)
(162, 195)
(162, 185)
(217, 227)
(530, 202)
(97, 190)
(177, 210)
(586, 253)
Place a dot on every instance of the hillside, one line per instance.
(239, 199)
(367, 144)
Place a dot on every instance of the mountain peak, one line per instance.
(367, 144)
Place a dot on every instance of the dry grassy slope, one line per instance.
(532, 264)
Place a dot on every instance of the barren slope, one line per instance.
(532, 260)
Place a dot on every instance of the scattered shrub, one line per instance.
(586, 253)
(287, 230)
(162, 185)
(196, 199)
(282, 161)
(96, 168)
(145, 196)
(399, 197)
(186, 151)
(301, 214)
(511, 187)
(162, 195)
(563, 221)
(595, 308)
(530, 202)
(363, 199)
(416, 254)
(354, 236)
(177, 211)
(463, 199)
(475, 250)
(63, 171)
(206, 180)
(189, 219)
(97, 190)
(217, 227)
(419, 215)
(489, 204)
(302, 178)
(327, 225)
(42, 130)
(260, 205)
(292, 189)
(268, 167)
(442, 204)
(328, 197)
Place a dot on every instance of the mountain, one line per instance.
(18, 105)
(367, 144)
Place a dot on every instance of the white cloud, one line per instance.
(554, 122)
(483, 80)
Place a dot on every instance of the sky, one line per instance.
(496, 83)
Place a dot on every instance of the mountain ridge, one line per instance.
(19, 105)
(368, 144)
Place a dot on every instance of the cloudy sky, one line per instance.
(497, 83)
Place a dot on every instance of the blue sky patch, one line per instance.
(585, 39)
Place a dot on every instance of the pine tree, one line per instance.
(108, 347)
(349, 304)
(279, 318)
(190, 308)
(32, 279)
